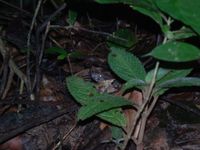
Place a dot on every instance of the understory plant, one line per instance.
(147, 85)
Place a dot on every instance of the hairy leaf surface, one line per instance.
(125, 64)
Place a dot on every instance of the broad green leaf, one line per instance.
(159, 92)
(176, 52)
(125, 64)
(114, 116)
(100, 104)
(161, 72)
(137, 83)
(72, 16)
(170, 75)
(173, 74)
(166, 74)
(82, 91)
(180, 82)
(183, 10)
(123, 38)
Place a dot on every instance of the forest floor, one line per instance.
(48, 119)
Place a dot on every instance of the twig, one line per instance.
(28, 46)
(5, 68)
(152, 106)
(138, 115)
(181, 105)
(88, 30)
(149, 109)
(100, 33)
(55, 42)
(9, 82)
(152, 82)
(15, 7)
(64, 137)
(51, 16)
(39, 49)
(141, 109)
(70, 66)
(97, 46)
(19, 73)
(12, 64)
(43, 43)
(54, 4)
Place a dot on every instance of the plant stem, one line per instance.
(140, 112)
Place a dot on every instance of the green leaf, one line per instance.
(122, 38)
(114, 116)
(183, 33)
(77, 54)
(125, 64)
(170, 75)
(72, 16)
(160, 73)
(62, 53)
(173, 74)
(180, 82)
(82, 91)
(167, 32)
(101, 103)
(61, 57)
(158, 92)
(117, 133)
(176, 52)
(133, 83)
(56, 50)
(183, 10)
(166, 74)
